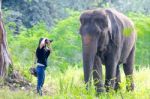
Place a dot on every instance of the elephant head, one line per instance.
(94, 31)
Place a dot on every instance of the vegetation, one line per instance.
(142, 24)
(51, 10)
(64, 74)
(69, 85)
(67, 43)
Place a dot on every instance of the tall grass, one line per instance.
(70, 85)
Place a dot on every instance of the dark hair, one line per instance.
(48, 40)
(40, 41)
(45, 41)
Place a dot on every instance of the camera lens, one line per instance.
(46, 40)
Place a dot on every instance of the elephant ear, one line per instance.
(109, 27)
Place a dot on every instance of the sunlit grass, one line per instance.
(70, 85)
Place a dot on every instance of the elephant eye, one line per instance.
(97, 20)
(101, 22)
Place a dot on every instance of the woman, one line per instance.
(42, 53)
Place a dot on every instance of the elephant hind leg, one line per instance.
(97, 75)
(128, 70)
(118, 78)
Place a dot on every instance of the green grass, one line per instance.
(70, 85)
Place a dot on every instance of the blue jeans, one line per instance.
(40, 78)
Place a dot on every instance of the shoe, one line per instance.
(40, 92)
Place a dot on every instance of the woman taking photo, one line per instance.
(42, 53)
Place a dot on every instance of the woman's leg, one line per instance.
(43, 78)
(39, 79)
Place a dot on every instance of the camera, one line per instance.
(47, 40)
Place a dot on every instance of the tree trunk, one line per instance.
(5, 60)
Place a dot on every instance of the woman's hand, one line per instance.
(48, 43)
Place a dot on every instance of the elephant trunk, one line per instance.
(89, 52)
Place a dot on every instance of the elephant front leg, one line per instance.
(97, 75)
(118, 78)
(110, 77)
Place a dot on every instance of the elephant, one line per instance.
(108, 38)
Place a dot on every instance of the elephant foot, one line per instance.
(117, 86)
(129, 83)
(108, 88)
(99, 91)
(109, 85)
(130, 87)
(88, 87)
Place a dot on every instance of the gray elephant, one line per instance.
(108, 38)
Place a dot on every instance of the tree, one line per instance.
(5, 60)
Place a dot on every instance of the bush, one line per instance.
(142, 24)
(66, 46)
(67, 43)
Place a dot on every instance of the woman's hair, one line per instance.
(40, 42)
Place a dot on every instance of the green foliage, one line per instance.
(142, 24)
(137, 6)
(66, 46)
(67, 43)
(65, 78)
(66, 57)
